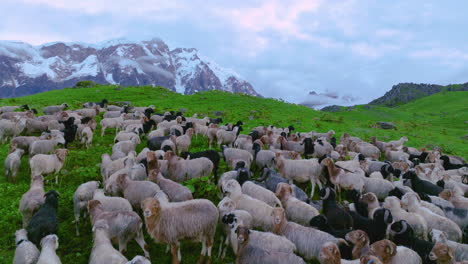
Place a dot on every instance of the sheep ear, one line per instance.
(450, 252)
(388, 250)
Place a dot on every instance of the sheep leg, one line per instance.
(209, 247)
(77, 219)
(226, 244)
(312, 183)
(167, 248)
(141, 241)
(123, 244)
(174, 248)
(220, 246)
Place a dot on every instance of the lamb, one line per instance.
(413, 204)
(460, 250)
(417, 222)
(32, 200)
(82, 195)
(123, 225)
(44, 221)
(403, 235)
(171, 222)
(300, 171)
(48, 255)
(389, 253)
(110, 203)
(330, 254)
(175, 191)
(227, 137)
(53, 109)
(183, 142)
(13, 163)
(136, 191)
(253, 251)
(296, 210)
(307, 240)
(260, 211)
(26, 252)
(87, 136)
(258, 192)
(272, 179)
(456, 198)
(103, 251)
(113, 122)
(398, 143)
(42, 164)
(337, 217)
(182, 170)
(360, 240)
(210, 154)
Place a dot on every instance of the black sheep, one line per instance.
(187, 126)
(44, 221)
(333, 142)
(272, 179)
(308, 147)
(337, 216)
(449, 166)
(216, 120)
(422, 186)
(254, 134)
(361, 207)
(396, 192)
(69, 131)
(210, 154)
(403, 235)
(321, 222)
(148, 112)
(376, 228)
(421, 157)
(148, 125)
(154, 143)
(85, 120)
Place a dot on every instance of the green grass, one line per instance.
(437, 120)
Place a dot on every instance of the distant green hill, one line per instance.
(436, 120)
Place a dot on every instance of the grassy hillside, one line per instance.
(437, 120)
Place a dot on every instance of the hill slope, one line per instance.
(27, 69)
(417, 120)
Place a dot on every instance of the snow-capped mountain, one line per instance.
(27, 69)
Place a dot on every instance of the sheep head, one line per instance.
(383, 215)
(319, 221)
(93, 204)
(278, 216)
(283, 191)
(438, 236)
(151, 207)
(21, 234)
(369, 198)
(330, 254)
(446, 194)
(402, 228)
(51, 197)
(327, 193)
(122, 180)
(226, 205)
(50, 240)
(231, 186)
(392, 202)
(441, 253)
(357, 237)
(384, 249)
(369, 259)
(61, 154)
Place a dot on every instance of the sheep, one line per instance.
(169, 144)
(330, 254)
(456, 186)
(259, 210)
(109, 167)
(360, 241)
(417, 222)
(13, 163)
(341, 178)
(32, 200)
(455, 198)
(253, 251)
(53, 109)
(102, 104)
(45, 146)
(123, 225)
(7, 108)
(366, 149)
(389, 253)
(171, 222)
(23, 142)
(136, 191)
(26, 252)
(112, 114)
(398, 143)
(210, 154)
(337, 217)
(48, 255)
(370, 259)
(258, 192)
(82, 195)
(11, 129)
(396, 155)
(103, 251)
(113, 122)
(182, 170)
(402, 234)
(422, 186)
(412, 203)
(139, 260)
(450, 166)
(296, 210)
(300, 171)
(272, 179)
(290, 145)
(229, 216)
(231, 154)
(443, 254)
(307, 240)
(183, 142)
(376, 227)
(460, 250)
(110, 203)
(87, 137)
(457, 215)
(44, 221)
(227, 137)
(42, 164)
(379, 144)
(379, 187)
(320, 148)
(125, 146)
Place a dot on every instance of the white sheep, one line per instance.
(87, 136)
(417, 222)
(110, 203)
(380, 187)
(183, 142)
(82, 195)
(103, 251)
(10, 129)
(45, 146)
(412, 203)
(398, 144)
(389, 253)
(296, 210)
(114, 122)
(460, 250)
(300, 171)
(455, 197)
(52, 109)
(26, 252)
(136, 191)
(42, 164)
(160, 132)
(345, 179)
(258, 192)
(126, 146)
(32, 199)
(226, 137)
(48, 255)
(181, 170)
(13, 163)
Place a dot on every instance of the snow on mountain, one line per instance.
(26, 69)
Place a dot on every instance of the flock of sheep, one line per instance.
(409, 208)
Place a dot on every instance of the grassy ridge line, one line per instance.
(415, 120)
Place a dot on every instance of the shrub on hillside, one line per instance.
(85, 84)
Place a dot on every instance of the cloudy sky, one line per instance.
(358, 48)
